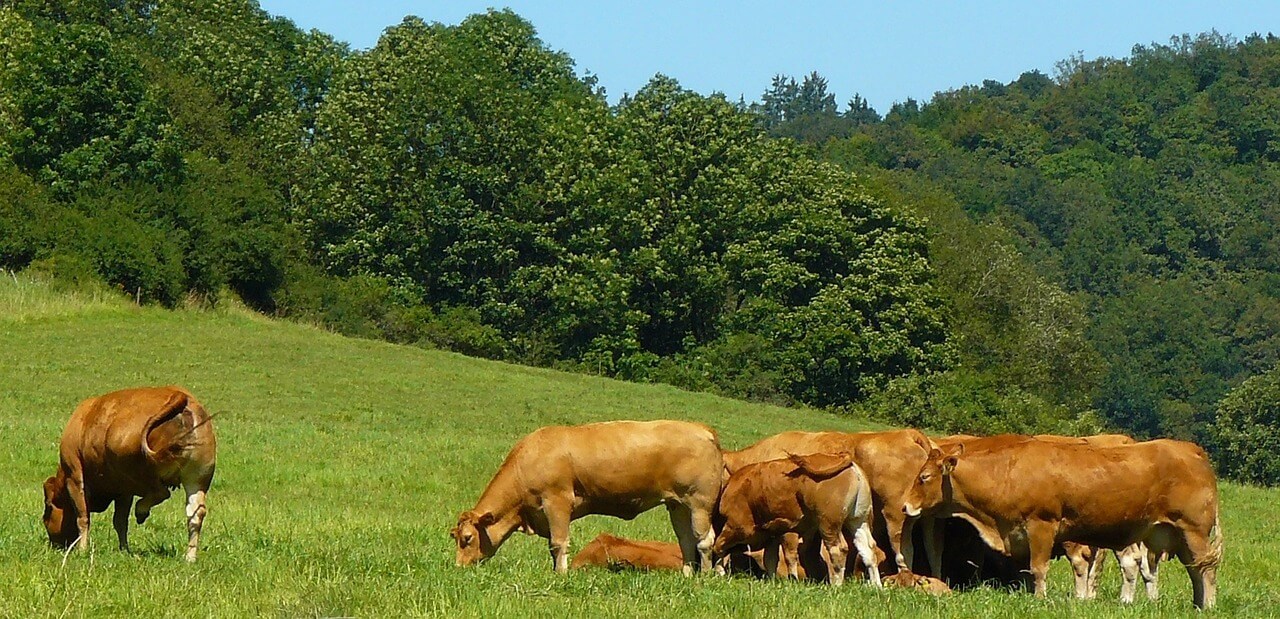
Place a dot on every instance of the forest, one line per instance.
(1097, 249)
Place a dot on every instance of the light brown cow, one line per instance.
(619, 468)
(890, 460)
(815, 495)
(1027, 496)
(1086, 561)
(906, 579)
(618, 553)
(135, 442)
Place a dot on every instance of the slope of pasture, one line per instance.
(344, 462)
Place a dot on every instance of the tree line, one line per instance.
(1122, 210)
(1058, 254)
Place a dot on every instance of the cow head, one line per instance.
(472, 536)
(59, 521)
(932, 486)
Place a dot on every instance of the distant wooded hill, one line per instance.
(1097, 249)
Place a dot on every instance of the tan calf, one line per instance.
(816, 496)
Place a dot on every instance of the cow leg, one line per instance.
(791, 554)
(1129, 567)
(932, 528)
(196, 511)
(1079, 567)
(1149, 566)
(121, 520)
(771, 549)
(1040, 540)
(704, 535)
(142, 510)
(558, 513)
(837, 552)
(1095, 572)
(865, 544)
(75, 488)
(904, 549)
(682, 523)
(1201, 561)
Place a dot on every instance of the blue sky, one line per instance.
(887, 51)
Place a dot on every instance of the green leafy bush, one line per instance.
(1246, 432)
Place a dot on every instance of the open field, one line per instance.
(344, 462)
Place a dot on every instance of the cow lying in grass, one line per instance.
(136, 442)
(619, 468)
(906, 579)
(816, 495)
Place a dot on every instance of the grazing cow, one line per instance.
(1029, 495)
(135, 442)
(618, 468)
(1086, 561)
(618, 553)
(890, 461)
(815, 495)
(905, 579)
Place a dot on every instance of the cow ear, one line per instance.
(486, 519)
(50, 490)
(934, 454)
(957, 450)
(948, 464)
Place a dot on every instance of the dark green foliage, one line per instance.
(1144, 187)
(1246, 432)
(1042, 255)
(84, 111)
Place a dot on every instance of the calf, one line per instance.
(905, 579)
(617, 553)
(816, 495)
(889, 459)
(135, 442)
(619, 468)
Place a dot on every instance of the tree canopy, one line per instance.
(1096, 249)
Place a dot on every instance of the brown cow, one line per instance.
(890, 461)
(1027, 496)
(618, 553)
(135, 442)
(815, 495)
(1086, 561)
(619, 468)
(906, 579)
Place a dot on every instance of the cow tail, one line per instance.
(805, 463)
(1215, 543)
(173, 407)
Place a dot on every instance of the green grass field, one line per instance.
(343, 463)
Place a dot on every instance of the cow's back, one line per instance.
(105, 437)
(784, 443)
(620, 458)
(1104, 488)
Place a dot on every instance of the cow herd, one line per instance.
(795, 503)
(814, 505)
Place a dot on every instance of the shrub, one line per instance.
(1246, 433)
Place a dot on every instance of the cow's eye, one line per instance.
(466, 539)
(924, 477)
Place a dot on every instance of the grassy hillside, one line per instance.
(344, 462)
